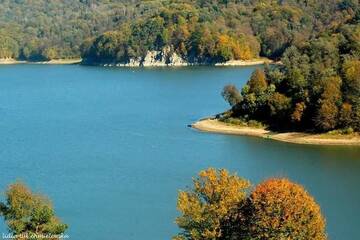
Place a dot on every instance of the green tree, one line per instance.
(29, 214)
(297, 71)
(8, 47)
(279, 105)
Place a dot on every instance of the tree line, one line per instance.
(39, 30)
(216, 31)
(196, 37)
(201, 30)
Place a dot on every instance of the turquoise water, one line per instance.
(111, 147)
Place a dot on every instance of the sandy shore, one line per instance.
(150, 64)
(61, 61)
(253, 62)
(215, 126)
(6, 61)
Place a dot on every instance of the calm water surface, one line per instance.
(111, 148)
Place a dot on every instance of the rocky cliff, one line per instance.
(167, 57)
(163, 58)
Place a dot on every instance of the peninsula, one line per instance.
(213, 125)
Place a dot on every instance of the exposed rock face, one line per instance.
(155, 58)
(134, 62)
(163, 58)
(168, 57)
(176, 60)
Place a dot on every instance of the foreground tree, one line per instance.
(213, 201)
(280, 209)
(30, 215)
(218, 207)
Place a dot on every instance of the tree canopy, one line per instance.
(210, 204)
(30, 215)
(280, 209)
(316, 87)
(222, 206)
(200, 31)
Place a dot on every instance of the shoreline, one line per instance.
(253, 62)
(230, 63)
(10, 61)
(214, 126)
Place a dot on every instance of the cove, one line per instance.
(111, 147)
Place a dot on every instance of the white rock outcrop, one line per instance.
(163, 58)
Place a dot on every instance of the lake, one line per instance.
(111, 148)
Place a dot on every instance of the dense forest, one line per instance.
(217, 31)
(39, 30)
(105, 31)
(316, 88)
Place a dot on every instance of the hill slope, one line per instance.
(201, 30)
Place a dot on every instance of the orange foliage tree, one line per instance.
(257, 82)
(218, 207)
(280, 209)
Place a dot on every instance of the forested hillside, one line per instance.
(105, 31)
(217, 31)
(316, 88)
(44, 29)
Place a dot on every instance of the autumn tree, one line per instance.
(345, 115)
(281, 209)
(257, 82)
(213, 200)
(327, 115)
(30, 214)
(298, 113)
(231, 94)
(351, 69)
(225, 46)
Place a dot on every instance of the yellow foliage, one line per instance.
(237, 48)
(215, 196)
